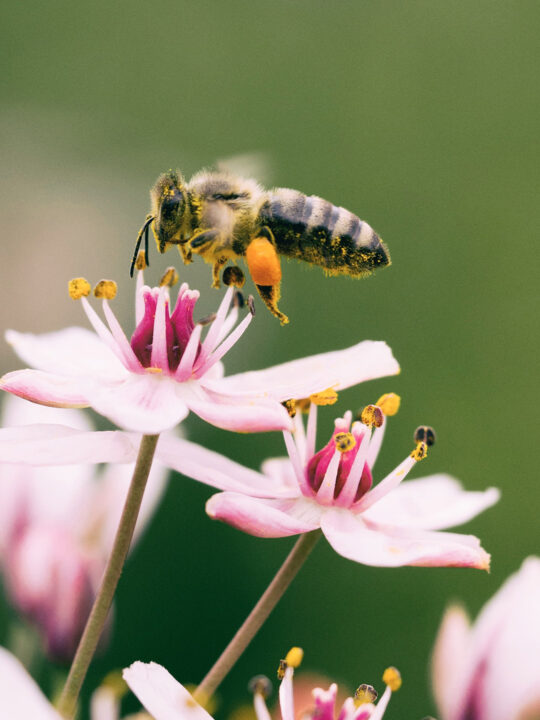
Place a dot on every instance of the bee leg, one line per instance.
(185, 252)
(216, 272)
(270, 295)
(265, 269)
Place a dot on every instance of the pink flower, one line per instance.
(57, 522)
(491, 671)
(149, 384)
(166, 699)
(388, 524)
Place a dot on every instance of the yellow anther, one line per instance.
(208, 702)
(365, 694)
(392, 678)
(389, 403)
(326, 397)
(294, 657)
(114, 681)
(140, 262)
(420, 451)
(372, 416)
(344, 441)
(290, 407)
(106, 290)
(78, 288)
(303, 404)
(154, 370)
(169, 278)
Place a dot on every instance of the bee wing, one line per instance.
(256, 165)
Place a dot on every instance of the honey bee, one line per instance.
(223, 217)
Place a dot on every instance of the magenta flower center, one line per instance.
(318, 466)
(178, 328)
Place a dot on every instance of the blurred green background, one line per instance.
(422, 117)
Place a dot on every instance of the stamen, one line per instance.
(304, 404)
(419, 452)
(389, 403)
(326, 397)
(290, 406)
(296, 462)
(425, 434)
(260, 685)
(311, 433)
(78, 288)
(392, 678)
(106, 290)
(365, 694)
(238, 300)
(207, 319)
(344, 441)
(372, 416)
(233, 275)
(169, 277)
(251, 304)
(185, 366)
(294, 657)
(140, 262)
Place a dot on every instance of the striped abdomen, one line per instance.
(310, 228)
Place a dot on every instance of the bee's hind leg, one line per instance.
(265, 269)
(270, 295)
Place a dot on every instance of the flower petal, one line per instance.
(430, 503)
(148, 403)
(230, 413)
(61, 445)
(264, 518)
(73, 351)
(45, 388)
(20, 697)
(161, 694)
(301, 378)
(216, 470)
(449, 662)
(387, 546)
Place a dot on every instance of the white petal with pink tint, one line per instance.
(264, 518)
(301, 378)
(431, 503)
(161, 694)
(251, 415)
(73, 351)
(46, 388)
(387, 546)
(20, 697)
(60, 445)
(214, 469)
(449, 663)
(142, 403)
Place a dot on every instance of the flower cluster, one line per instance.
(72, 498)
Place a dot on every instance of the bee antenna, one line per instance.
(142, 231)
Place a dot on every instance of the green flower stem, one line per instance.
(67, 704)
(254, 621)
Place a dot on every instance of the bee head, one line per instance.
(169, 204)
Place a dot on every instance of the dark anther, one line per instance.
(251, 304)
(233, 275)
(260, 685)
(207, 319)
(425, 434)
